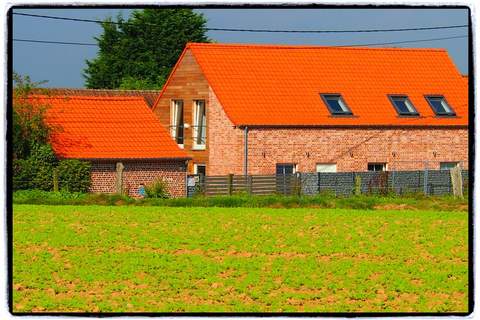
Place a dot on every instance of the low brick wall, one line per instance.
(103, 176)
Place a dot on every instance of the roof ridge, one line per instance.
(100, 90)
(290, 46)
(86, 97)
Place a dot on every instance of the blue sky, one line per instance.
(62, 65)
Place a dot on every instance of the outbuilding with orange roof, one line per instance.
(120, 136)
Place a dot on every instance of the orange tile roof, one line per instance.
(106, 128)
(150, 96)
(281, 85)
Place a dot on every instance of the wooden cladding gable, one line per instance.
(187, 83)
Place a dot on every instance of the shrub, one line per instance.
(49, 198)
(158, 189)
(74, 175)
(35, 172)
(43, 161)
(23, 172)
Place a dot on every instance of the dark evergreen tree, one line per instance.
(139, 53)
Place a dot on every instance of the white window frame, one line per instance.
(174, 125)
(196, 108)
(385, 166)
(196, 165)
(294, 169)
(454, 163)
(331, 164)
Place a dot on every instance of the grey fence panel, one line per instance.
(432, 182)
(309, 183)
(402, 182)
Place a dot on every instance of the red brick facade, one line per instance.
(103, 176)
(350, 148)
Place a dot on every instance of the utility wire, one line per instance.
(255, 30)
(56, 42)
(398, 42)
(346, 45)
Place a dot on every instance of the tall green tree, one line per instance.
(139, 53)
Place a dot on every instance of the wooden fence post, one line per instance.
(358, 185)
(298, 184)
(230, 184)
(119, 180)
(55, 180)
(249, 184)
(457, 183)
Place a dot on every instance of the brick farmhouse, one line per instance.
(265, 109)
(120, 136)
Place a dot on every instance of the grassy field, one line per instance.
(156, 259)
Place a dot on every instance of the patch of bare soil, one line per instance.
(394, 206)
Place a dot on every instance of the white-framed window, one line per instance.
(326, 167)
(377, 166)
(448, 165)
(200, 169)
(176, 122)
(199, 125)
(286, 168)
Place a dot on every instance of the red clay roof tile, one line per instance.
(107, 128)
(281, 85)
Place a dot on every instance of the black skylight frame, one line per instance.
(327, 96)
(439, 96)
(393, 97)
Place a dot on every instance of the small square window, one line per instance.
(440, 105)
(448, 165)
(326, 167)
(382, 166)
(403, 105)
(285, 168)
(336, 104)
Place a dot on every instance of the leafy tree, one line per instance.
(29, 127)
(33, 158)
(140, 52)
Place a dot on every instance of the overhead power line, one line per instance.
(346, 45)
(56, 42)
(399, 42)
(256, 30)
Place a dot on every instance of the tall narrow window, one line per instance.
(176, 121)
(199, 124)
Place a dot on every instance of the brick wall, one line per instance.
(225, 149)
(350, 148)
(353, 148)
(103, 176)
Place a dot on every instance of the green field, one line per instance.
(157, 259)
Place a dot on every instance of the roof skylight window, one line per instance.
(336, 104)
(440, 105)
(403, 105)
